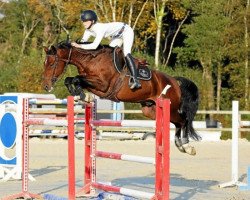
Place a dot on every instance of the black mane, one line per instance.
(67, 45)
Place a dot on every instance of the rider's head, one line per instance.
(88, 18)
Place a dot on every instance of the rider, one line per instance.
(119, 33)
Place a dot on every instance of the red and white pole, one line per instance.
(71, 147)
(162, 149)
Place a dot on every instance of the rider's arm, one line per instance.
(85, 36)
(98, 38)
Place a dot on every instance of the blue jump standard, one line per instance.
(247, 187)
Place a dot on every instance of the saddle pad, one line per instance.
(143, 72)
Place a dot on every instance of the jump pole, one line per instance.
(162, 162)
(235, 148)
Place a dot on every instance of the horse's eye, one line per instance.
(53, 63)
(54, 79)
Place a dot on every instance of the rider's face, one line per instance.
(87, 24)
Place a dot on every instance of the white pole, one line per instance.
(235, 147)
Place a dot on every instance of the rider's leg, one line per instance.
(128, 40)
(133, 82)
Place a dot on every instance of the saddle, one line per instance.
(142, 66)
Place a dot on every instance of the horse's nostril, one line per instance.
(46, 88)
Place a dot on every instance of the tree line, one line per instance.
(206, 41)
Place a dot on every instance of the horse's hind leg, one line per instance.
(182, 140)
(185, 143)
(177, 140)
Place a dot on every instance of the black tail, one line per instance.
(189, 105)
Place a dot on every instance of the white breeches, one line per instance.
(126, 39)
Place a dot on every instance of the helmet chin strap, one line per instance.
(92, 23)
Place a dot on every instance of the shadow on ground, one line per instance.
(180, 187)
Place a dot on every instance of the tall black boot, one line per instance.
(133, 81)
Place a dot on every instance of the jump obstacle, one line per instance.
(26, 122)
(235, 152)
(161, 162)
(91, 153)
(235, 126)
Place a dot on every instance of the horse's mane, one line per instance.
(67, 45)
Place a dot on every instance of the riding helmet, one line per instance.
(88, 15)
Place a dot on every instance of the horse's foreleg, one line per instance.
(78, 84)
(68, 84)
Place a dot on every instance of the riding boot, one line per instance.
(133, 82)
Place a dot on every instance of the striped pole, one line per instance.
(123, 191)
(118, 156)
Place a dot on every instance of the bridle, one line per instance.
(54, 65)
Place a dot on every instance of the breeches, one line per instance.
(126, 40)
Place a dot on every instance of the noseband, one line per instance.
(55, 64)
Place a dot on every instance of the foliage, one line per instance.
(212, 37)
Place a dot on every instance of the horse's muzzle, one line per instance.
(47, 88)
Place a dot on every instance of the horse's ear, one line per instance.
(46, 49)
(53, 50)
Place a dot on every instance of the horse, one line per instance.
(98, 75)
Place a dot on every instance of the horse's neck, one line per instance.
(93, 61)
(80, 60)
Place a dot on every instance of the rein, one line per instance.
(57, 59)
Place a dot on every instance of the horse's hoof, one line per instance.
(179, 146)
(189, 149)
(181, 149)
(88, 97)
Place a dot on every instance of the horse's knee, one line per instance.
(76, 80)
(68, 80)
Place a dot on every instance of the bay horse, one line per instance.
(98, 75)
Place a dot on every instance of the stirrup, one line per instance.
(134, 83)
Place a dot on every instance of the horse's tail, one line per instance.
(189, 105)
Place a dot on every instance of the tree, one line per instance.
(247, 90)
(178, 14)
(237, 39)
(159, 13)
(205, 44)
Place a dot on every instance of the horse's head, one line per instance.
(57, 58)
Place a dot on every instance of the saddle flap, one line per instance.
(142, 66)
